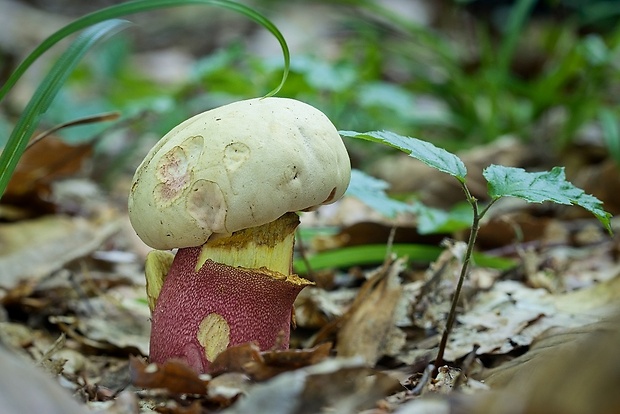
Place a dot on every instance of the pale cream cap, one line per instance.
(238, 166)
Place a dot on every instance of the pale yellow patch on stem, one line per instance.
(214, 335)
(156, 268)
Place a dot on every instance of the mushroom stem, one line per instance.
(227, 292)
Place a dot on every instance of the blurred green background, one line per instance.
(456, 73)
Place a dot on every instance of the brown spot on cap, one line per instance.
(174, 176)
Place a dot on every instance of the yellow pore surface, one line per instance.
(268, 247)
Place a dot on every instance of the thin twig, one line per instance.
(465, 367)
(475, 226)
(426, 376)
(390, 244)
(58, 344)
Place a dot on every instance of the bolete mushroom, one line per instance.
(222, 187)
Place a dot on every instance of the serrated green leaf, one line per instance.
(537, 187)
(426, 152)
(371, 191)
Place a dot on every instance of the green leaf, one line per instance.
(595, 50)
(323, 75)
(514, 28)
(426, 152)
(45, 93)
(380, 97)
(433, 220)
(537, 187)
(371, 191)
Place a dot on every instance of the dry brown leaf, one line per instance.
(234, 358)
(297, 358)
(596, 296)
(431, 310)
(496, 320)
(276, 362)
(315, 307)
(512, 315)
(224, 389)
(108, 321)
(48, 160)
(570, 371)
(346, 212)
(369, 325)
(195, 407)
(334, 385)
(34, 248)
(175, 376)
(247, 358)
(125, 402)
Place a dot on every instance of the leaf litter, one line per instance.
(77, 308)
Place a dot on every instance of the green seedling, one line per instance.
(533, 187)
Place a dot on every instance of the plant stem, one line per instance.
(464, 269)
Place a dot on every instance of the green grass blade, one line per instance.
(611, 133)
(374, 254)
(519, 14)
(138, 6)
(45, 93)
(370, 254)
(28, 121)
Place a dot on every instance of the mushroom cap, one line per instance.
(237, 166)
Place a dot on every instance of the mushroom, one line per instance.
(223, 187)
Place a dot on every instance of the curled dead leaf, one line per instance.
(275, 362)
(234, 358)
(260, 366)
(49, 160)
(174, 376)
(368, 328)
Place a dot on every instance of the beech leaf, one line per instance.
(426, 152)
(537, 187)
